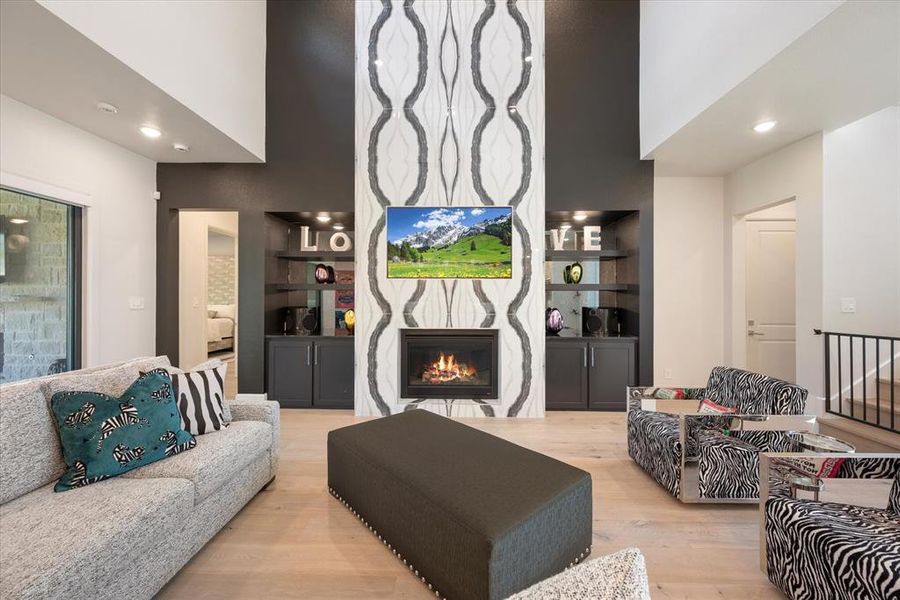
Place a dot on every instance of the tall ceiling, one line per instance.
(845, 67)
(47, 64)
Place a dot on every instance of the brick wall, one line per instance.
(220, 280)
(34, 295)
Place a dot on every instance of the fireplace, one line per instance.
(449, 363)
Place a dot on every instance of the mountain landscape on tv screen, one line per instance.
(453, 243)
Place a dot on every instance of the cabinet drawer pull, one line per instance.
(316, 355)
(584, 353)
(592, 356)
(308, 350)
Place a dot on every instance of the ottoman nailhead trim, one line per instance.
(384, 541)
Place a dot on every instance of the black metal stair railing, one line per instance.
(861, 378)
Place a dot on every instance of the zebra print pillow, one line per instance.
(103, 436)
(201, 399)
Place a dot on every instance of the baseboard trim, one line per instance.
(251, 396)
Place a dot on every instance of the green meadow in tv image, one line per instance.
(454, 242)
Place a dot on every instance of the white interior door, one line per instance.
(771, 310)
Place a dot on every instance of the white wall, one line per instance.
(694, 51)
(120, 223)
(210, 55)
(861, 226)
(688, 270)
(193, 248)
(794, 172)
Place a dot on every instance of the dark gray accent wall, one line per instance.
(309, 166)
(593, 137)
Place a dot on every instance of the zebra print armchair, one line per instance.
(812, 549)
(721, 456)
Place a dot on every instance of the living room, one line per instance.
(457, 299)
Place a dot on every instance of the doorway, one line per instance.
(771, 317)
(208, 291)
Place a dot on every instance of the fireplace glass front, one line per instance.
(449, 363)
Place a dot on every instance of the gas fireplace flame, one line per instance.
(446, 369)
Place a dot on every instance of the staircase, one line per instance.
(862, 366)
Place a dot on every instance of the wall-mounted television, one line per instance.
(451, 242)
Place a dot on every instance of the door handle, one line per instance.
(316, 355)
(751, 332)
(308, 350)
(592, 357)
(584, 354)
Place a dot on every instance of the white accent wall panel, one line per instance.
(450, 112)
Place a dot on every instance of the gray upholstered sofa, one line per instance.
(127, 536)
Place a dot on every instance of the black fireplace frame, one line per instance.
(491, 392)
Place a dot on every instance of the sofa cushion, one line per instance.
(25, 415)
(104, 436)
(69, 545)
(112, 381)
(218, 457)
(30, 455)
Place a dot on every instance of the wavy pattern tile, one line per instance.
(450, 111)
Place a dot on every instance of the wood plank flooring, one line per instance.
(296, 541)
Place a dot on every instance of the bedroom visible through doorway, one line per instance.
(208, 291)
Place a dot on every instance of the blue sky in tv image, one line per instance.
(404, 221)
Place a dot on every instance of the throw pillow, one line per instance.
(708, 407)
(200, 395)
(103, 436)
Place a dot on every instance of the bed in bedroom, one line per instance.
(220, 327)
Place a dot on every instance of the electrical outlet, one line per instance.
(667, 373)
(848, 305)
(136, 302)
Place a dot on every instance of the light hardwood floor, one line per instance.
(296, 541)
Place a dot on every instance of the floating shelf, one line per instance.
(318, 256)
(585, 254)
(294, 287)
(591, 287)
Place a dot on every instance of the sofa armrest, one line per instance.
(266, 411)
(255, 410)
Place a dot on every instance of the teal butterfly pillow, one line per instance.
(103, 436)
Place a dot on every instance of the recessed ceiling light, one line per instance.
(338, 227)
(17, 221)
(107, 108)
(181, 147)
(323, 218)
(150, 131)
(580, 217)
(764, 126)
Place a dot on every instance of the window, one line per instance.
(40, 286)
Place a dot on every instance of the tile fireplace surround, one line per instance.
(450, 113)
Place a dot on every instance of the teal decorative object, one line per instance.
(103, 436)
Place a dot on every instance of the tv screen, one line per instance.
(453, 242)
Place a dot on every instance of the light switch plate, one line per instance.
(136, 302)
(667, 373)
(848, 305)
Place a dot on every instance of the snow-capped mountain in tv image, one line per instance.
(445, 235)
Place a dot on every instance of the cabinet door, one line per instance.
(333, 361)
(612, 369)
(289, 375)
(567, 375)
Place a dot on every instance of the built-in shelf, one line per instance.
(585, 254)
(292, 287)
(318, 255)
(591, 287)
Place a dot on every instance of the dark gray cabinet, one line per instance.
(567, 375)
(333, 380)
(611, 369)
(309, 372)
(589, 374)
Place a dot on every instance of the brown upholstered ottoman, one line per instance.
(472, 515)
